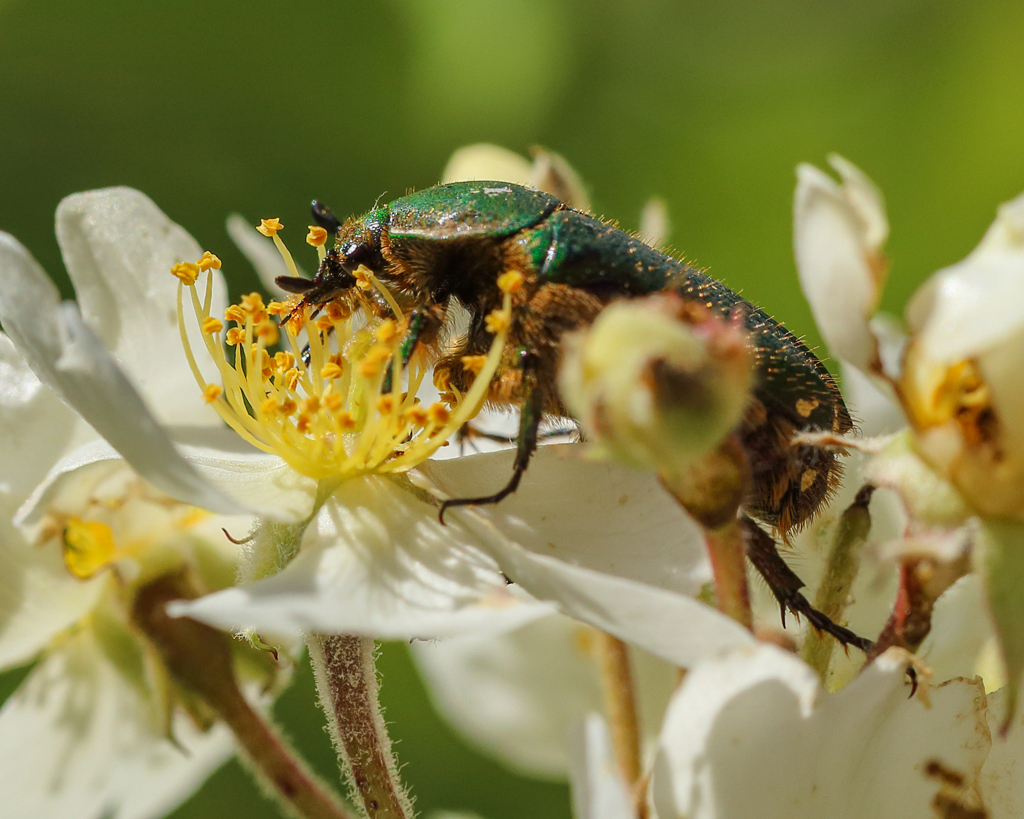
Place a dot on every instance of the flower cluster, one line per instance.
(150, 415)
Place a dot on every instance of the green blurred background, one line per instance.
(213, 107)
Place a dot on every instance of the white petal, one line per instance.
(1001, 784)
(598, 791)
(35, 426)
(859, 753)
(262, 254)
(81, 743)
(519, 695)
(119, 248)
(875, 410)
(975, 304)
(487, 162)
(617, 553)
(961, 631)
(593, 514)
(838, 233)
(376, 561)
(39, 597)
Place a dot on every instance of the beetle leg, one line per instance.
(420, 320)
(786, 585)
(526, 445)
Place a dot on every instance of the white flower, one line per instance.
(753, 735)
(94, 729)
(959, 469)
(357, 545)
(520, 696)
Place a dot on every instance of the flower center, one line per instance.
(313, 389)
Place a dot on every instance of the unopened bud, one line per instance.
(657, 382)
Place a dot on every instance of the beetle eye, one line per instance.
(357, 254)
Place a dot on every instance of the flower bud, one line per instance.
(657, 382)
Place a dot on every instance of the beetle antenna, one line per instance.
(322, 216)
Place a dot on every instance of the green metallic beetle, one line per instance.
(450, 243)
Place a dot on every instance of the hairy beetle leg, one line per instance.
(526, 445)
(786, 584)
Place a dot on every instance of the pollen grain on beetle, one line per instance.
(327, 410)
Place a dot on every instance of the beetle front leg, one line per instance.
(423, 322)
(526, 445)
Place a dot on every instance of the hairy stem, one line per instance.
(621, 710)
(841, 569)
(198, 657)
(346, 679)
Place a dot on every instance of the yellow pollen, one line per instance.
(510, 282)
(186, 272)
(235, 313)
(442, 380)
(373, 363)
(252, 303)
(337, 312)
(268, 333)
(387, 332)
(417, 416)
(318, 403)
(439, 414)
(316, 236)
(498, 321)
(362, 276)
(88, 547)
(270, 227)
(474, 363)
(270, 407)
(345, 422)
(208, 262)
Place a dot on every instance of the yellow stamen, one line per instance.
(270, 227)
(186, 272)
(88, 547)
(328, 418)
(316, 236)
(208, 262)
(212, 325)
(474, 363)
(510, 282)
(498, 321)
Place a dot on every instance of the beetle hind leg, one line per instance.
(786, 585)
